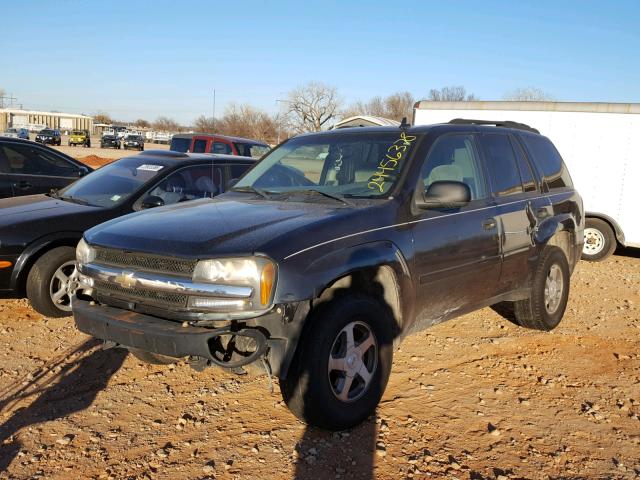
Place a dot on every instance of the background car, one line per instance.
(133, 141)
(39, 232)
(49, 136)
(109, 141)
(27, 168)
(204, 142)
(79, 137)
(16, 133)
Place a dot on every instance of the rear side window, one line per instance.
(221, 147)
(549, 161)
(528, 181)
(505, 177)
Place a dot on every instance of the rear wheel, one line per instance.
(547, 301)
(342, 364)
(51, 282)
(599, 240)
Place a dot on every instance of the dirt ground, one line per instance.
(97, 157)
(474, 398)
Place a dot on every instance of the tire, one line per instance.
(153, 358)
(47, 279)
(599, 240)
(311, 389)
(547, 302)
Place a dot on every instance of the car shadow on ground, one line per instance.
(76, 379)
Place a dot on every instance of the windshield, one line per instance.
(180, 144)
(46, 132)
(251, 149)
(113, 183)
(77, 132)
(362, 165)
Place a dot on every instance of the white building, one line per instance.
(36, 120)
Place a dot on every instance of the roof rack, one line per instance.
(497, 123)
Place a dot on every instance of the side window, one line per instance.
(505, 176)
(528, 181)
(549, 161)
(199, 146)
(221, 147)
(454, 158)
(238, 171)
(26, 160)
(190, 183)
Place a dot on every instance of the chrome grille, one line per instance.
(104, 289)
(175, 266)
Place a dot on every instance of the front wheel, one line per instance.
(549, 294)
(50, 283)
(599, 240)
(342, 365)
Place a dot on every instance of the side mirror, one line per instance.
(83, 171)
(445, 194)
(151, 201)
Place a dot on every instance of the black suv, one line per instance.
(49, 136)
(334, 247)
(27, 168)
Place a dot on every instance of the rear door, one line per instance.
(33, 169)
(520, 206)
(5, 182)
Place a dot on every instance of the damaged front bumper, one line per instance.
(271, 337)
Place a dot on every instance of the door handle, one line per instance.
(22, 185)
(489, 224)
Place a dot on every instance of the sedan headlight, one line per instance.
(256, 272)
(85, 253)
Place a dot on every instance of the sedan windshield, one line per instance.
(46, 132)
(349, 164)
(111, 184)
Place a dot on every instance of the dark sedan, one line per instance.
(27, 168)
(49, 136)
(110, 141)
(38, 233)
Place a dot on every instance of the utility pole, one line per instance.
(10, 98)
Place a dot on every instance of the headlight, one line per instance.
(255, 272)
(85, 253)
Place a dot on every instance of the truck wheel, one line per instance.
(547, 301)
(154, 358)
(599, 240)
(342, 364)
(50, 283)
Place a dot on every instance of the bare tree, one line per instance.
(528, 94)
(451, 94)
(311, 107)
(244, 121)
(394, 106)
(142, 123)
(204, 124)
(166, 124)
(102, 117)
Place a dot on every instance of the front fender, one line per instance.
(35, 249)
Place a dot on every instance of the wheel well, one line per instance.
(615, 228)
(377, 282)
(21, 284)
(563, 240)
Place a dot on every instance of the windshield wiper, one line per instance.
(72, 199)
(259, 191)
(334, 196)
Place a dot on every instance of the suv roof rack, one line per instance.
(497, 123)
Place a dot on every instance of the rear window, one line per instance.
(547, 158)
(180, 144)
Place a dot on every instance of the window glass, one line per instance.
(238, 171)
(202, 181)
(251, 150)
(549, 161)
(453, 158)
(505, 176)
(180, 144)
(526, 174)
(221, 147)
(199, 146)
(26, 160)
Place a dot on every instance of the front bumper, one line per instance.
(273, 338)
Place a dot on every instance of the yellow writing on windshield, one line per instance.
(389, 164)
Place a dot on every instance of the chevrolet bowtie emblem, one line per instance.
(126, 280)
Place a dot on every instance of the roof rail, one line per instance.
(497, 123)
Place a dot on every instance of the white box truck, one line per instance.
(599, 142)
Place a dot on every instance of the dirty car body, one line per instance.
(416, 221)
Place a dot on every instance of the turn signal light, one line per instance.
(266, 283)
(5, 263)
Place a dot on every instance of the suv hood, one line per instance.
(206, 228)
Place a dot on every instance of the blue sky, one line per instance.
(145, 59)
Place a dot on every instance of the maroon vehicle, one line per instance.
(211, 143)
